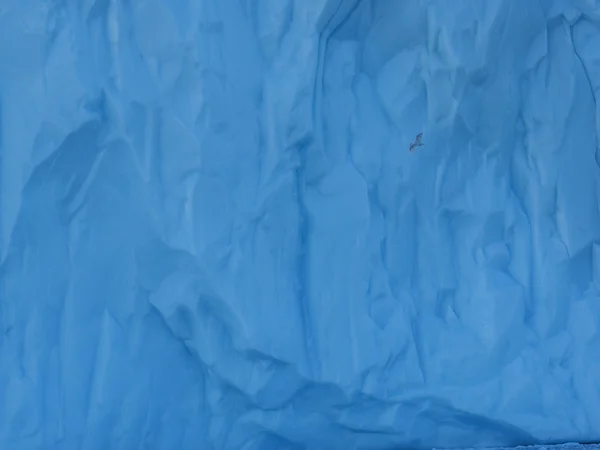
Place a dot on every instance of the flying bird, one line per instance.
(417, 142)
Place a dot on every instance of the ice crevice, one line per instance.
(213, 234)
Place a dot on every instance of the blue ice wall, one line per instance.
(213, 235)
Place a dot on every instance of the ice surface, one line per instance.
(566, 446)
(213, 235)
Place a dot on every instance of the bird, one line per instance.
(417, 142)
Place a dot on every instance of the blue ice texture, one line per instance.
(213, 235)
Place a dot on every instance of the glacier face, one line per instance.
(213, 236)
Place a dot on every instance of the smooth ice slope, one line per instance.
(213, 236)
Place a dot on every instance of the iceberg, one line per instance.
(213, 234)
